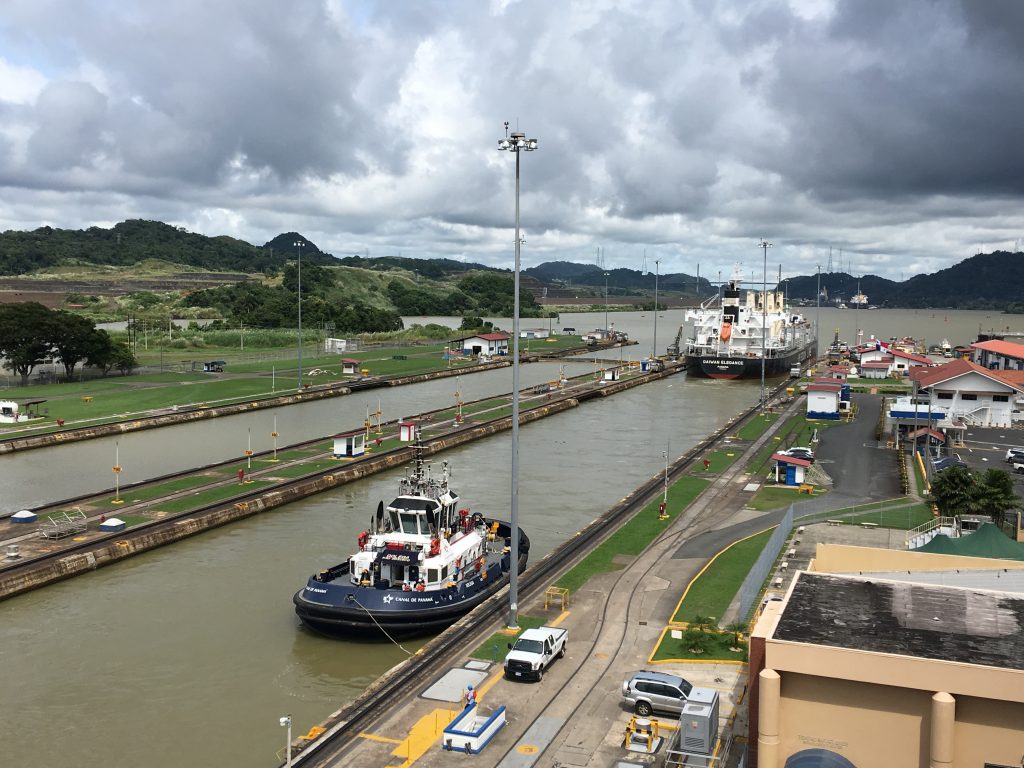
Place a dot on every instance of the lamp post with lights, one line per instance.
(764, 245)
(517, 143)
(299, 244)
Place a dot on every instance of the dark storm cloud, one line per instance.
(910, 98)
(689, 126)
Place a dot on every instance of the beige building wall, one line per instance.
(860, 721)
(843, 558)
(988, 731)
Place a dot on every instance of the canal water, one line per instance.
(191, 653)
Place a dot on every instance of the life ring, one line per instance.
(362, 539)
(435, 547)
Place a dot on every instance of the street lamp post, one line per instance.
(764, 245)
(286, 722)
(606, 306)
(516, 143)
(299, 244)
(654, 344)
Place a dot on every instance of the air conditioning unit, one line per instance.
(698, 723)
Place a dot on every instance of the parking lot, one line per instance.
(985, 448)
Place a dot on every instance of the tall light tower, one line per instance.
(517, 143)
(606, 305)
(764, 245)
(654, 345)
(298, 244)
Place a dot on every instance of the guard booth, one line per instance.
(350, 366)
(350, 444)
(407, 431)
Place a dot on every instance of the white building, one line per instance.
(998, 355)
(483, 344)
(970, 394)
(823, 399)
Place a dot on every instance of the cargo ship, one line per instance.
(735, 330)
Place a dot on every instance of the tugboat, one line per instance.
(423, 562)
(731, 336)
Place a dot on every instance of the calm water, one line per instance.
(960, 327)
(189, 654)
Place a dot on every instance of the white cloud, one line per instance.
(686, 128)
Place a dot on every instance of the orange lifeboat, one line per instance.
(726, 333)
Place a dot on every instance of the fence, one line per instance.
(750, 590)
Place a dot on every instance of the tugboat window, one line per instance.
(432, 575)
(394, 519)
(409, 523)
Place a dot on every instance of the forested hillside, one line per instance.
(134, 241)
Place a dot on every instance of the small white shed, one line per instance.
(350, 444)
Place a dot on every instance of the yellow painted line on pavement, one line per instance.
(375, 737)
(559, 620)
(422, 736)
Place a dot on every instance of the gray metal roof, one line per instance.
(921, 620)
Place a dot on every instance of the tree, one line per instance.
(696, 640)
(737, 628)
(996, 495)
(24, 333)
(953, 491)
(72, 338)
(959, 491)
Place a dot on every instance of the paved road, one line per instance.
(861, 470)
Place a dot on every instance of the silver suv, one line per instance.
(647, 691)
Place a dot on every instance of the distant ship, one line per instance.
(858, 300)
(731, 335)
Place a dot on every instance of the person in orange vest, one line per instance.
(241, 475)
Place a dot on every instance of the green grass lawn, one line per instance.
(720, 460)
(133, 496)
(212, 496)
(633, 537)
(496, 646)
(712, 591)
(720, 649)
(777, 497)
(757, 426)
(903, 518)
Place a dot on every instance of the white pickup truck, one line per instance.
(534, 651)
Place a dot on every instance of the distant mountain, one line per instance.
(984, 281)
(571, 273)
(134, 241)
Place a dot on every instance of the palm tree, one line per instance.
(737, 628)
(695, 640)
(954, 491)
(996, 495)
(702, 623)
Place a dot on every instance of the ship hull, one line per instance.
(715, 366)
(337, 608)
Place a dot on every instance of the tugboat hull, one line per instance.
(337, 608)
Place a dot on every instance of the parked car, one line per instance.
(799, 452)
(648, 691)
(1018, 468)
(948, 461)
(1014, 455)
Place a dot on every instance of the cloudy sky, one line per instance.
(889, 131)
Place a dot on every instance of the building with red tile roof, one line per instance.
(998, 354)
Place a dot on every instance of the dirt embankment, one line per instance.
(52, 293)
